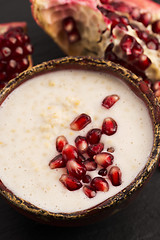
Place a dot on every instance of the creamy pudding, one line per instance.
(41, 109)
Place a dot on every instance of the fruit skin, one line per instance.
(4, 28)
(95, 38)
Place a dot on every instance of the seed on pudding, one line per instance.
(109, 126)
(81, 144)
(69, 152)
(89, 191)
(70, 182)
(109, 101)
(61, 141)
(94, 135)
(100, 184)
(80, 122)
(57, 162)
(76, 168)
(104, 159)
(115, 176)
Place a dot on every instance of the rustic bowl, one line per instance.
(113, 204)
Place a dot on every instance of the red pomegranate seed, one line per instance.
(156, 26)
(100, 184)
(114, 18)
(57, 162)
(137, 50)
(109, 101)
(22, 64)
(102, 172)
(69, 152)
(81, 158)
(80, 122)
(104, 159)
(135, 13)
(68, 24)
(6, 52)
(143, 62)
(115, 176)
(95, 149)
(127, 44)
(81, 144)
(76, 169)
(121, 7)
(124, 20)
(61, 141)
(94, 135)
(121, 26)
(148, 82)
(152, 43)
(90, 164)
(145, 18)
(143, 35)
(109, 126)
(70, 182)
(89, 191)
(86, 179)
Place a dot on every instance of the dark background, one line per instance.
(139, 221)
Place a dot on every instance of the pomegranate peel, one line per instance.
(112, 19)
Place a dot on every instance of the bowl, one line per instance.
(116, 202)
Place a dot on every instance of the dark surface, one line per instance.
(139, 221)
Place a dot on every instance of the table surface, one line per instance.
(140, 220)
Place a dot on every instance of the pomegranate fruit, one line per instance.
(125, 32)
(15, 50)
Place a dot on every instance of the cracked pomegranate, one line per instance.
(15, 50)
(125, 32)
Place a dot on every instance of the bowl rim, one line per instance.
(138, 84)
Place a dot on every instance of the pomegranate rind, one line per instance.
(94, 28)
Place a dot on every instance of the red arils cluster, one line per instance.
(15, 48)
(88, 155)
(70, 27)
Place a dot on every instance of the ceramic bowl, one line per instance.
(118, 201)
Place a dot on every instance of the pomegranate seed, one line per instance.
(86, 179)
(81, 158)
(114, 18)
(68, 24)
(127, 44)
(102, 172)
(121, 26)
(121, 7)
(80, 122)
(135, 13)
(61, 141)
(89, 191)
(81, 144)
(69, 152)
(76, 169)
(104, 159)
(95, 149)
(124, 20)
(6, 52)
(70, 182)
(110, 149)
(143, 35)
(57, 162)
(148, 82)
(109, 126)
(115, 176)
(109, 101)
(137, 50)
(143, 62)
(100, 184)
(94, 136)
(90, 164)
(156, 26)
(145, 18)
(12, 64)
(28, 49)
(152, 43)
(22, 64)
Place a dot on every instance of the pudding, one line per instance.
(43, 108)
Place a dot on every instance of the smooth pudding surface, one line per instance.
(41, 109)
